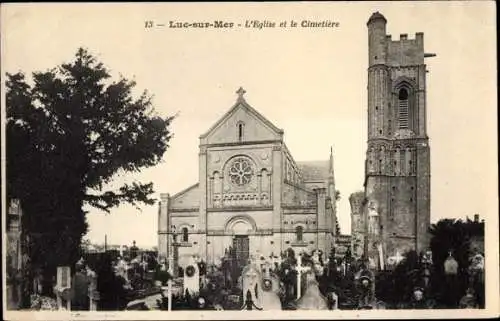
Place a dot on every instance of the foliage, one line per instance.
(69, 133)
(455, 236)
(396, 285)
(162, 276)
(110, 286)
(452, 235)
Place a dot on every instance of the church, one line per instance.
(252, 196)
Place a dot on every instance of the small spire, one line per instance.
(331, 159)
(240, 93)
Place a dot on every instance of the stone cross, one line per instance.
(240, 93)
(275, 260)
(300, 269)
(93, 293)
(398, 257)
(169, 282)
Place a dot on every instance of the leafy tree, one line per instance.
(70, 131)
(449, 235)
(110, 286)
(455, 236)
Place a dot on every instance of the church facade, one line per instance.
(394, 212)
(251, 196)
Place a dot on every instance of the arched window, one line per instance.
(240, 130)
(298, 232)
(185, 235)
(404, 108)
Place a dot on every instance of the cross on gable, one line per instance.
(240, 93)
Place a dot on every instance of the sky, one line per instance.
(311, 82)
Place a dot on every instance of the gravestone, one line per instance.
(476, 277)
(93, 292)
(333, 301)
(270, 289)
(468, 301)
(192, 277)
(80, 288)
(14, 256)
(452, 295)
(134, 251)
(365, 288)
(122, 269)
(419, 300)
(252, 285)
(63, 288)
(312, 298)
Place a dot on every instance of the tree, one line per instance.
(449, 235)
(452, 235)
(69, 133)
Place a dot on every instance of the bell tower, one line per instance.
(397, 167)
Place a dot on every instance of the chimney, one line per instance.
(476, 218)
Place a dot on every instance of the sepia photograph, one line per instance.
(313, 160)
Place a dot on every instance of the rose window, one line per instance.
(241, 171)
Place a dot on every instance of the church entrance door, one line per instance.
(241, 246)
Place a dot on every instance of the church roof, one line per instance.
(241, 103)
(315, 170)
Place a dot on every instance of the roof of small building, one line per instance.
(315, 170)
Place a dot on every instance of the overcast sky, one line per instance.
(311, 82)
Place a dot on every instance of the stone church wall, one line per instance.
(188, 199)
(297, 196)
(217, 221)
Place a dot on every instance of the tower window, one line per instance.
(402, 161)
(185, 235)
(299, 232)
(403, 108)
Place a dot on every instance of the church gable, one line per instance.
(187, 198)
(242, 123)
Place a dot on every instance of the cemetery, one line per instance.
(135, 280)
